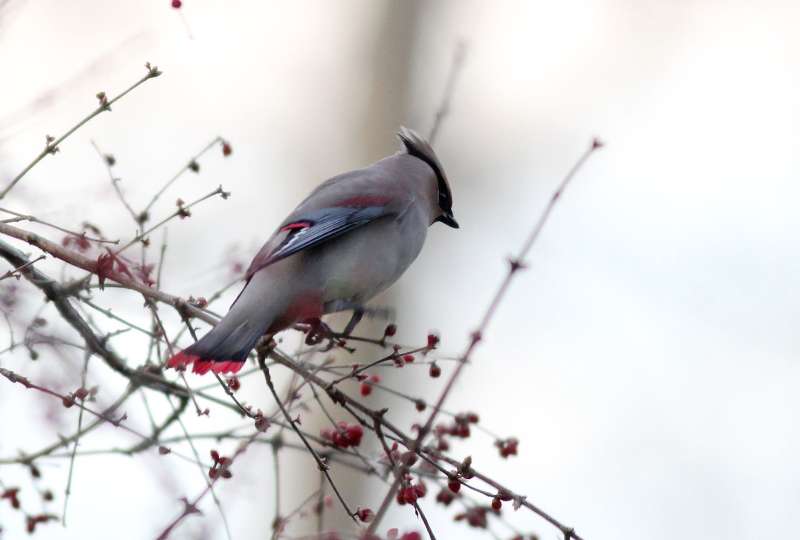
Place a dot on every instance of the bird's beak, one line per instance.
(448, 220)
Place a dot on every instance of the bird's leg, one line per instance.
(359, 311)
(358, 314)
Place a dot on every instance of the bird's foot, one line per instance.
(319, 331)
(385, 313)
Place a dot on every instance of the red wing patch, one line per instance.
(323, 225)
(296, 226)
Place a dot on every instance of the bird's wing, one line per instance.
(309, 229)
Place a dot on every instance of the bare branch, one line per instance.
(52, 145)
(320, 464)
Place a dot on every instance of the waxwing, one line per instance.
(350, 239)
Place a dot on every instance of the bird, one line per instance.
(351, 238)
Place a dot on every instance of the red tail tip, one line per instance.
(203, 365)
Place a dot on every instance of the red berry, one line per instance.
(420, 405)
(445, 497)
(226, 149)
(420, 489)
(354, 434)
(366, 389)
(390, 330)
(507, 447)
(496, 504)
(433, 341)
(177, 4)
(408, 358)
(407, 495)
(435, 371)
(454, 485)
(339, 440)
(365, 514)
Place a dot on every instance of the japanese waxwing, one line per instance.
(350, 239)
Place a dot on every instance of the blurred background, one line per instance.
(647, 358)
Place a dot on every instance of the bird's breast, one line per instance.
(368, 260)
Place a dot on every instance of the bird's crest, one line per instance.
(419, 148)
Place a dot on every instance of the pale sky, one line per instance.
(646, 359)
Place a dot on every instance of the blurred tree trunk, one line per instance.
(392, 43)
(390, 36)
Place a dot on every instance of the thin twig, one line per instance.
(320, 464)
(16, 272)
(68, 489)
(277, 523)
(515, 265)
(64, 441)
(90, 265)
(370, 365)
(108, 161)
(444, 108)
(52, 145)
(33, 219)
(190, 507)
(209, 482)
(189, 165)
(424, 521)
(179, 212)
(118, 422)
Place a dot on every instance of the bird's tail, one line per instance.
(222, 350)
(225, 348)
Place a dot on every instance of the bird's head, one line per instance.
(419, 148)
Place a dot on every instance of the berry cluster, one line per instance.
(367, 382)
(411, 492)
(220, 469)
(507, 447)
(344, 435)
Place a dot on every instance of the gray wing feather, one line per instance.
(326, 224)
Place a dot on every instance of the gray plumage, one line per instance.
(350, 239)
